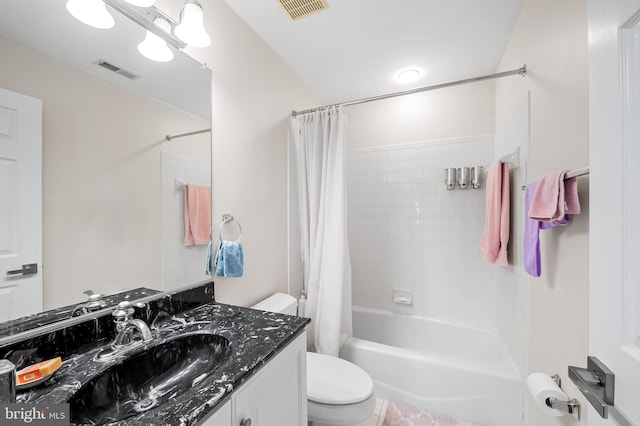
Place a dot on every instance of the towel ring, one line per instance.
(227, 218)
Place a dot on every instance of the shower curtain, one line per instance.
(319, 140)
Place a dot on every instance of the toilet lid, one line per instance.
(332, 380)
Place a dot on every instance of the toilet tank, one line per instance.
(280, 302)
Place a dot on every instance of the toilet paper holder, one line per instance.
(597, 383)
(570, 407)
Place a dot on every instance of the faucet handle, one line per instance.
(139, 308)
(92, 294)
(95, 299)
(95, 302)
(122, 314)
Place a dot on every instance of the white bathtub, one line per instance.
(462, 371)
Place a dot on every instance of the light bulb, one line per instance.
(91, 12)
(155, 48)
(191, 28)
(408, 76)
(141, 3)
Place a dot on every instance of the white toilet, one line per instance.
(339, 393)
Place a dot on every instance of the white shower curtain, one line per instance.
(320, 150)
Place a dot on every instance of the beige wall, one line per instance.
(101, 175)
(467, 110)
(253, 95)
(551, 38)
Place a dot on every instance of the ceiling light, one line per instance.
(155, 48)
(91, 12)
(408, 75)
(141, 3)
(191, 28)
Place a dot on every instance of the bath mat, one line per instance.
(398, 414)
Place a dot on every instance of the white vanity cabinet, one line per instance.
(276, 395)
(222, 417)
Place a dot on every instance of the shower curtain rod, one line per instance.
(182, 135)
(521, 71)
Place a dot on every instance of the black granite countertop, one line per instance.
(246, 339)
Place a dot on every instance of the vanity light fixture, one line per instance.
(191, 28)
(190, 31)
(408, 76)
(91, 12)
(155, 48)
(141, 3)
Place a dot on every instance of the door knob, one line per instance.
(28, 269)
(245, 422)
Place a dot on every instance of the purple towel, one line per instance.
(532, 229)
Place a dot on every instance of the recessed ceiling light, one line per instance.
(408, 75)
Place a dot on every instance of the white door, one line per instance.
(614, 288)
(20, 205)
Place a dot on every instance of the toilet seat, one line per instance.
(334, 381)
(340, 415)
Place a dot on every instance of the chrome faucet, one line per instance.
(131, 332)
(95, 303)
(122, 314)
(127, 326)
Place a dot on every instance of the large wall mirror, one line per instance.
(112, 209)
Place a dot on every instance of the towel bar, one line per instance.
(227, 218)
(180, 184)
(573, 173)
(577, 173)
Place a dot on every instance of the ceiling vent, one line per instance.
(116, 69)
(298, 9)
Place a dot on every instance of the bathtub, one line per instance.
(438, 366)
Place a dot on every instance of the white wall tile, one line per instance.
(410, 232)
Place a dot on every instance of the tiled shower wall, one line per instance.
(407, 231)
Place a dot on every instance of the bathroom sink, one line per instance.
(147, 379)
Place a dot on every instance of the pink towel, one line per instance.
(554, 197)
(572, 202)
(197, 214)
(495, 237)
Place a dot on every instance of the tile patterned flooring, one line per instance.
(389, 413)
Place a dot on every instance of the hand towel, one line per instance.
(554, 197)
(505, 216)
(495, 237)
(532, 227)
(572, 203)
(229, 261)
(207, 268)
(197, 214)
